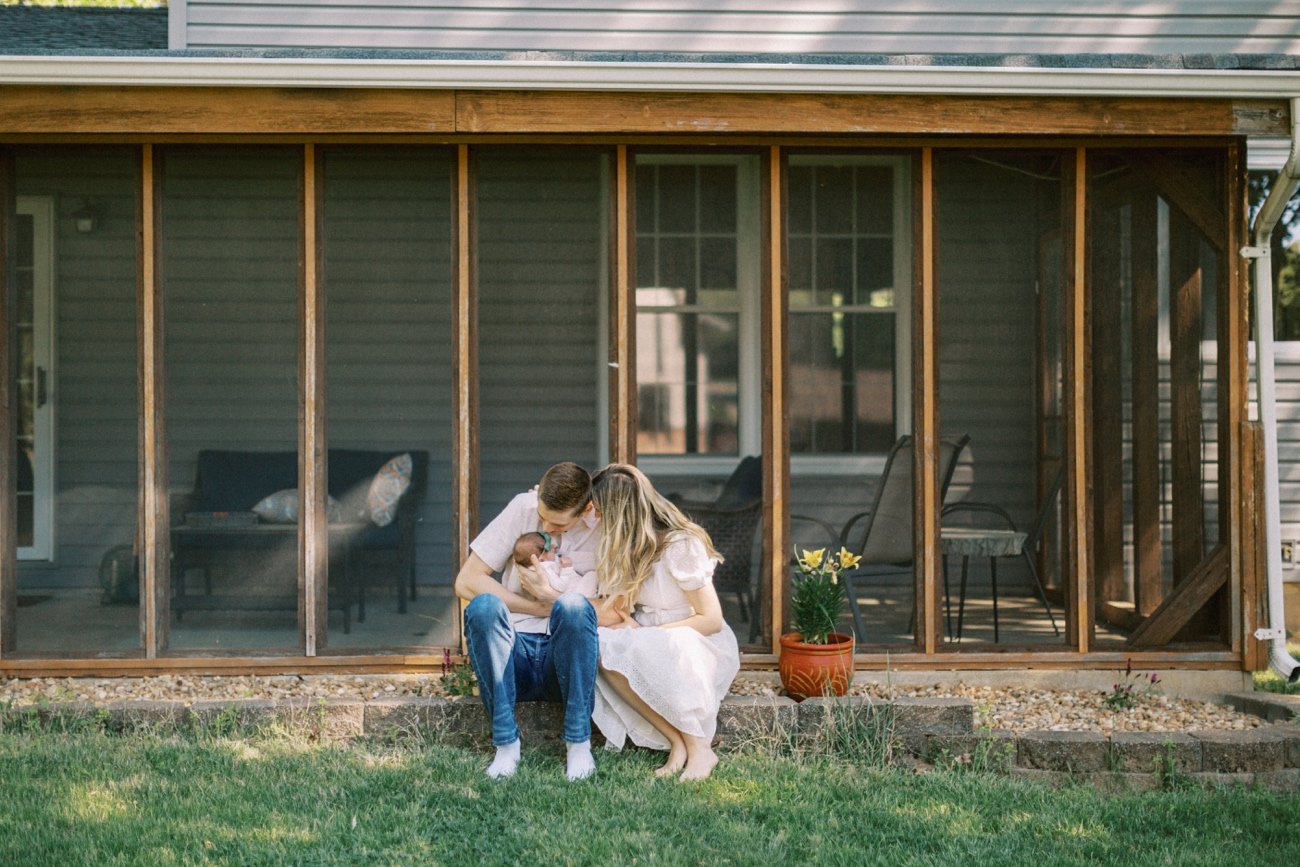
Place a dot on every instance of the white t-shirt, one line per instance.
(495, 546)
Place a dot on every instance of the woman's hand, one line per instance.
(612, 613)
(626, 621)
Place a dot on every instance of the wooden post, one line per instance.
(8, 411)
(1105, 303)
(153, 519)
(776, 410)
(925, 411)
(1145, 336)
(464, 358)
(622, 314)
(313, 535)
(1079, 613)
(1232, 387)
(1185, 398)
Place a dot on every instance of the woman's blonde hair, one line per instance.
(636, 522)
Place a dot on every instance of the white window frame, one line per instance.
(42, 211)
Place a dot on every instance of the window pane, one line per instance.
(689, 364)
(686, 371)
(842, 383)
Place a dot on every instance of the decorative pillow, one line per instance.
(282, 508)
(387, 488)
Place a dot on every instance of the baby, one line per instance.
(560, 573)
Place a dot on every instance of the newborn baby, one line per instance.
(559, 572)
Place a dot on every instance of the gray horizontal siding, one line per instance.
(724, 26)
(541, 243)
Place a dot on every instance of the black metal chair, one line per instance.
(884, 541)
(1008, 542)
(732, 522)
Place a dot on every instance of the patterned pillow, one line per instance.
(387, 488)
(282, 508)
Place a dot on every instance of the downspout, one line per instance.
(1288, 179)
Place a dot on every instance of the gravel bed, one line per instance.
(1011, 708)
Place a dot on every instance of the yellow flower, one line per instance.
(847, 559)
(812, 559)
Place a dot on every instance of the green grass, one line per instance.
(83, 797)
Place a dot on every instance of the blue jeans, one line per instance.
(525, 666)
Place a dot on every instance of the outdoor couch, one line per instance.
(233, 481)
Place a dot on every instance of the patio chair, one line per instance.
(1001, 542)
(732, 521)
(884, 541)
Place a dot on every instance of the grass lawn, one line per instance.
(91, 798)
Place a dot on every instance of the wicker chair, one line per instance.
(732, 522)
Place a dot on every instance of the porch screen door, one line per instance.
(33, 323)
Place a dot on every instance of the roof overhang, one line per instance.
(380, 72)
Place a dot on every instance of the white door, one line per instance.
(34, 333)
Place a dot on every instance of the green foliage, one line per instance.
(1131, 689)
(457, 677)
(817, 597)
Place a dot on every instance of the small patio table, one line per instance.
(968, 542)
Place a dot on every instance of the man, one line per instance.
(526, 642)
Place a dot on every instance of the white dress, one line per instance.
(678, 672)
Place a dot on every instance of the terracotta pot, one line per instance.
(816, 669)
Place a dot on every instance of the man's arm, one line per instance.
(475, 578)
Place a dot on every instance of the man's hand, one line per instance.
(626, 621)
(533, 581)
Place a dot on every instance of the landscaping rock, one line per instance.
(1143, 752)
(398, 718)
(1230, 752)
(1218, 780)
(756, 722)
(824, 721)
(982, 751)
(1075, 752)
(1286, 780)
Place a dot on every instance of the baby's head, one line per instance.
(531, 545)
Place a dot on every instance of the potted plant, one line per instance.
(815, 659)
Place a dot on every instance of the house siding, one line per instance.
(723, 26)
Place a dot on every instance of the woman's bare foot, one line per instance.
(700, 759)
(676, 760)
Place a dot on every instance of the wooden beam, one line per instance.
(1145, 362)
(776, 411)
(925, 407)
(464, 357)
(1185, 275)
(1078, 533)
(91, 110)
(8, 410)
(738, 113)
(1106, 305)
(1184, 601)
(1230, 366)
(1181, 192)
(622, 313)
(1254, 653)
(313, 480)
(153, 517)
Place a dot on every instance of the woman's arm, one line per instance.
(707, 618)
(612, 611)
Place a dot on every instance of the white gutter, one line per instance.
(523, 74)
(1288, 179)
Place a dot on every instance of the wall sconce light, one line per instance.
(87, 218)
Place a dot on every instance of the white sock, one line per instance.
(506, 761)
(580, 764)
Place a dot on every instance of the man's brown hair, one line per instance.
(566, 487)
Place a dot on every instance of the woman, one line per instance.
(670, 658)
